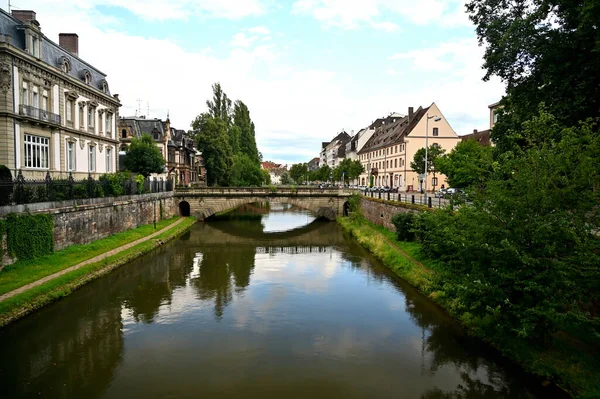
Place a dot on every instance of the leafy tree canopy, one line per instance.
(418, 162)
(348, 169)
(547, 52)
(299, 172)
(144, 157)
(213, 143)
(468, 164)
(244, 172)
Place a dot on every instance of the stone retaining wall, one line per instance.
(381, 213)
(87, 220)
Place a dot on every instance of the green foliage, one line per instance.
(139, 182)
(245, 172)
(469, 164)
(322, 174)
(525, 255)
(354, 202)
(7, 185)
(545, 52)
(226, 139)
(299, 172)
(144, 157)
(371, 181)
(286, 179)
(418, 162)
(404, 223)
(29, 236)
(272, 189)
(266, 176)
(212, 141)
(348, 169)
(113, 184)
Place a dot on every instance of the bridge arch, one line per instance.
(184, 208)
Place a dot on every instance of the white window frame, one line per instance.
(25, 94)
(109, 160)
(35, 49)
(37, 152)
(45, 104)
(91, 112)
(35, 97)
(109, 118)
(69, 110)
(92, 158)
(71, 165)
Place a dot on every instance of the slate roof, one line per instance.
(139, 126)
(482, 137)
(393, 133)
(52, 53)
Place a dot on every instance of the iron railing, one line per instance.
(39, 114)
(25, 191)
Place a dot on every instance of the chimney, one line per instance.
(70, 42)
(410, 113)
(24, 15)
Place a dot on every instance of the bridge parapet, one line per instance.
(204, 202)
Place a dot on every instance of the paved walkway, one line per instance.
(87, 262)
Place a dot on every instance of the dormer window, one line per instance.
(104, 87)
(87, 78)
(64, 64)
(35, 46)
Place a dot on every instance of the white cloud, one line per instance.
(261, 30)
(351, 15)
(241, 40)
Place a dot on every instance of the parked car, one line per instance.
(441, 193)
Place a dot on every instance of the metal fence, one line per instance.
(418, 199)
(25, 191)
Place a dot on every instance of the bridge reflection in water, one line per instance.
(229, 310)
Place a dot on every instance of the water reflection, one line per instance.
(234, 308)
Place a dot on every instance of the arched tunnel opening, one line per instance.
(346, 208)
(184, 208)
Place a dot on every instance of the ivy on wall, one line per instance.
(29, 236)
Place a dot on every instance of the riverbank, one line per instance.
(64, 271)
(568, 366)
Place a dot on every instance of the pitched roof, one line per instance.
(482, 137)
(393, 133)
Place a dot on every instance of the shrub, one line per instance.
(29, 236)
(6, 185)
(404, 223)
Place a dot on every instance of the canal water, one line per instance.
(265, 302)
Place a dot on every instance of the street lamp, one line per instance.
(437, 119)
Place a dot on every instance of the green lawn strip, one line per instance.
(28, 271)
(574, 369)
(24, 303)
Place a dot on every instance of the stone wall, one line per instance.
(87, 220)
(380, 212)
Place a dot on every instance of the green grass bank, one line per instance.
(26, 272)
(568, 364)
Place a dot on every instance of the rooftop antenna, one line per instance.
(138, 109)
(9, 6)
(148, 109)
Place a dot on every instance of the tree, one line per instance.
(547, 53)
(244, 172)
(220, 106)
(299, 172)
(323, 173)
(348, 169)
(418, 162)
(247, 139)
(266, 176)
(286, 179)
(469, 164)
(144, 157)
(212, 141)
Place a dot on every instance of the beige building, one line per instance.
(388, 153)
(57, 115)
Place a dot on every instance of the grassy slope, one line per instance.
(573, 368)
(28, 271)
(18, 306)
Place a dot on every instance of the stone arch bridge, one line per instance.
(204, 202)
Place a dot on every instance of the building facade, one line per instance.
(182, 161)
(390, 150)
(57, 114)
(333, 152)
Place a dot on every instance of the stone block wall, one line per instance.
(87, 220)
(381, 213)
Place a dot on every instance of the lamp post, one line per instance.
(437, 119)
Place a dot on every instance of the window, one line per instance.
(81, 113)
(108, 160)
(108, 123)
(69, 112)
(70, 156)
(123, 134)
(87, 78)
(91, 116)
(435, 131)
(435, 145)
(35, 46)
(25, 94)
(100, 124)
(495, 117)
(35, 97)
(396, 163)
(92, 158)
(44, 105)
(36, 151)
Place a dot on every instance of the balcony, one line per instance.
(39, 114)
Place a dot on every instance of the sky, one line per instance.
(306, 69)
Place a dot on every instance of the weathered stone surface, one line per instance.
(381, 213)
